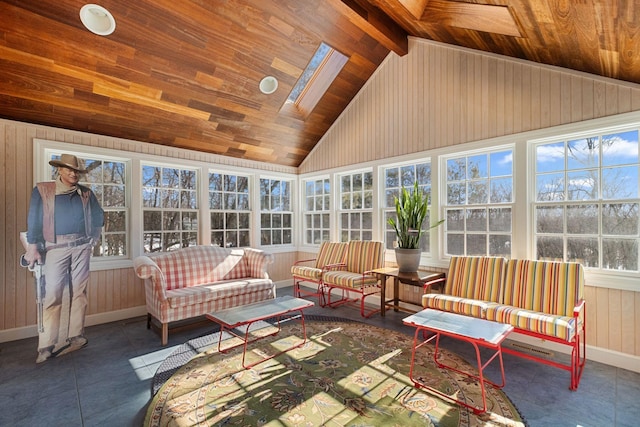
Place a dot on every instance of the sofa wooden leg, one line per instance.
(165, 333)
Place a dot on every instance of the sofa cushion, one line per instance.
(306, 272)
(475, 277)
(199, 265)
(563, 327)
(348, 279)
(466, 306)
(194, 295)
(543, 286)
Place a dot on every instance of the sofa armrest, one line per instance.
(147, 269)
(257, 262)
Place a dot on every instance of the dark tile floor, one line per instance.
(108, 383)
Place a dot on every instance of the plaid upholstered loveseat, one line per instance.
(542, 299)
(191, 282)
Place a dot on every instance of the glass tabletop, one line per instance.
(470, 327)
(244, 314)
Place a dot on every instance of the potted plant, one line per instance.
(411, 212)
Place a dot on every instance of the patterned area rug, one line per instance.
(346, 374)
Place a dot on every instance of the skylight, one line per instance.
(314, 81)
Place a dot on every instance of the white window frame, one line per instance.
(340, 211)
(225, 211)
(445, 207)
(45, 149)
(311, 215)
(261, 210)
(597, 275)
(386, 211)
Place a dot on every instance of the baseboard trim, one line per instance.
(91, 320)
(596, 354)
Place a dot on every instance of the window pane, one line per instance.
(477, 167)
(620, 183)
(583, 153)
(501, 163)
(476, 219)
(455, 220)
(456, 169)
(620, 254)
(499, 245)
(550, 187)
(620, 219)
(476, 244)
(550, 248)
(456, 194)
(550, 157)
(478, 192)
(500, 219)
(583, 250)
(501, 190)
(582, 185)
(582, 219)
(455, 244)
(115, 221)
(550, 219)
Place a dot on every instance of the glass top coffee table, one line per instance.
(477, 332)
(246, 315)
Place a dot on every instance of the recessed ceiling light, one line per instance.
(268, 85)
(97, 19)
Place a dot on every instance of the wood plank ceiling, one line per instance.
(186, 73)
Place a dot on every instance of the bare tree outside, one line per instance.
(587, 201)
(479, 204)
(170, 208)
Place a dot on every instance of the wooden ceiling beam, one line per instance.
(375, 23)
(471, 16)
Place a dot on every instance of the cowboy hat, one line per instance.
(68, 161)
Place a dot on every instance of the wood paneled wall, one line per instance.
(439, 96)
(109, 290)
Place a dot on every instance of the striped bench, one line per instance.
(542, 299)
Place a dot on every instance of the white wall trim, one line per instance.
(91, 320)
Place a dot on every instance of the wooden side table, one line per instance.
(421, 278)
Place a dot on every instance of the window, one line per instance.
(106, 178)
(587, 200)
(478, 206)
(316, 217)
(276, 216)
(169, 208)
(230, 210)
(356, 206)
(395, 178)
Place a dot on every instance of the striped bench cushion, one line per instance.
(466, 306)
(563, 327)
(549, 287)
(328, 254)
(364, 256)
(306, 272)
(476, 278)
(347, 279)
